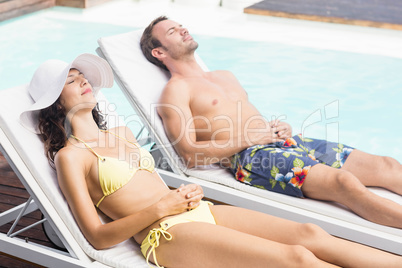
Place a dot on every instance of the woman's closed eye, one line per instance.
(73, 77)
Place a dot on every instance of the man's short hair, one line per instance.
(149, 42)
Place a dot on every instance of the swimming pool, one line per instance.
(34, 38)
(348, 97)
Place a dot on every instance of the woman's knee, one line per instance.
(299, 256)
(311, 232)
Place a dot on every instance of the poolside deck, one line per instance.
(14, 8)
(371, 13)
(13, 193)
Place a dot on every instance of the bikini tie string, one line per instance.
(153, 240)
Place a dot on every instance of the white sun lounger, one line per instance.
(142, 83)
(25, 153)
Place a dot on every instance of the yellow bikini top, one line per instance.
(115, 173)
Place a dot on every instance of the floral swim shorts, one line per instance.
(282, 167)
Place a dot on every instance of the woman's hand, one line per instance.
(182, 199)
(194, 194)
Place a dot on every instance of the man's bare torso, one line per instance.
(220, 107)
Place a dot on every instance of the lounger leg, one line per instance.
(13, 213)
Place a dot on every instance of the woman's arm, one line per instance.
(71, 173)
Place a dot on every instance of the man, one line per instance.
(209, 119)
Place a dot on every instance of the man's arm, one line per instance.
(178, 120)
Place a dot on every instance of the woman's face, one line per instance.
(77, 93)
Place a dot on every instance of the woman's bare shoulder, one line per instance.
(67, 155)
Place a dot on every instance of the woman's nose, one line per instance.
(84, 81)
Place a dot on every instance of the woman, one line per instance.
(176, 228)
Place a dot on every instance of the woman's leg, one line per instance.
(198, 244)
(340, 185)
(326, 247)
(373, 170)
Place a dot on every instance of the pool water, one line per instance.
(347, 97)
(29, 40)
(340, 96)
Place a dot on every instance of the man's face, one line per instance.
(175, 39)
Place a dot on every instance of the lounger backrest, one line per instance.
(30, 149)
(124, 54)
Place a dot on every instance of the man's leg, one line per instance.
(373, 170)
(340, 185)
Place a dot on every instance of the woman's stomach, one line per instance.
(143, 190)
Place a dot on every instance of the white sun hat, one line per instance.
(49, 79)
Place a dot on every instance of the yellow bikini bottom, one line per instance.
(202, 213)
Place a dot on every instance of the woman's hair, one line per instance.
(53, 131)
(149, 42)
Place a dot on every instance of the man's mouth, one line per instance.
(188, 37)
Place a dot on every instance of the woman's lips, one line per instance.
(88, 90)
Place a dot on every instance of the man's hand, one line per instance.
(274, 131)
(283, 129)
(264, 133)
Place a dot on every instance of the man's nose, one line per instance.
(184, 31)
